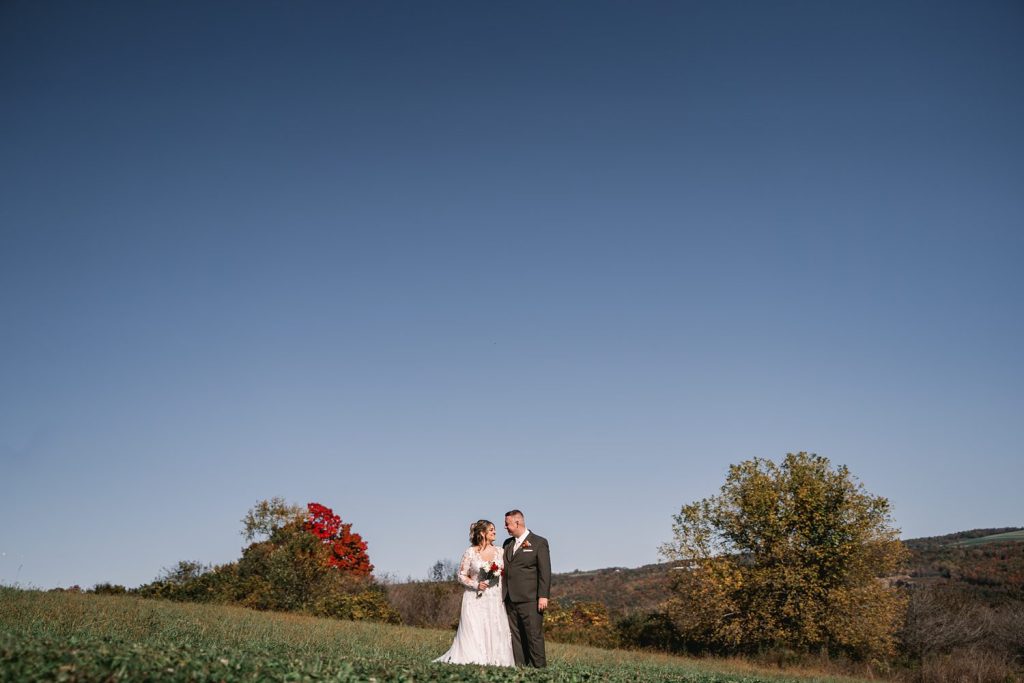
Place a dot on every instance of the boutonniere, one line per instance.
(526, 544)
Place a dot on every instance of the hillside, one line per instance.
(77, 637)
(995, 538)
(621, 590)
(971, 537)
(984, 564)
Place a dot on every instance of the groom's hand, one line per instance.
(542, 604)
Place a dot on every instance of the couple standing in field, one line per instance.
(507, 591)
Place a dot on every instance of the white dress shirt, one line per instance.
(519, 541)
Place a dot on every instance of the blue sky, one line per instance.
(424, 263)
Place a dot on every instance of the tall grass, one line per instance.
(72, 637)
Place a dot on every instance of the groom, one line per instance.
(527, 588)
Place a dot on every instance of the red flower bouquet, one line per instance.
(490, 575)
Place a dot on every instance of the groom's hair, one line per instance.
(516, 513)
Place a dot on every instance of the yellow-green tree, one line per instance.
(789, 555)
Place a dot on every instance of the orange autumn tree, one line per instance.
(348, 549)
(310, 562)
(298, 560)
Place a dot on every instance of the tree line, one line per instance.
(788, 560)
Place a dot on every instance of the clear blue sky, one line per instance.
(426, 262)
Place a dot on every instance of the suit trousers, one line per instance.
(527, 625)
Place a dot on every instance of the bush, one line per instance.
(650, 631)
(581, 623)
(283, 572)
(949, 637)
(314, 565)
(427, 604)
(194, 582)
(342, 600)
(788, 556)
(970, 665)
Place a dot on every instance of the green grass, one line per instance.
(994, 538)
(74, 637)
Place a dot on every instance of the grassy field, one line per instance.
(74, 637)
(994, 538)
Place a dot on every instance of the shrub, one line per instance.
(284, 571)
(193, 582)
(581, 623)
(974, 664)
(787, 556)
(949, 637)
(313, 564)
(435, 603)
(650, 631)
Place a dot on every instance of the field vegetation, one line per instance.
(75, 637)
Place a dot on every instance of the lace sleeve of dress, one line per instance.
(465, 568)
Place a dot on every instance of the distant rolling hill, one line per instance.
(1009, 536)
(622, 590)
(984, 564)
(971, 537)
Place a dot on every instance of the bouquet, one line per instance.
(490, 575)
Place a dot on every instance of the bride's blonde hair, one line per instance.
(477, 531)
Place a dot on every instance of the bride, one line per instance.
(483, 636)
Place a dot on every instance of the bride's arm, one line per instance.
(465, 568)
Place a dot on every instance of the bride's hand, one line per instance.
(483, 585)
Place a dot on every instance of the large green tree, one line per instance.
(789, 555)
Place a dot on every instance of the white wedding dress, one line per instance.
(483, 636)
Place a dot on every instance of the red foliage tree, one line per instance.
(348, 549)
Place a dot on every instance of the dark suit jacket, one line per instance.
(528, 572)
